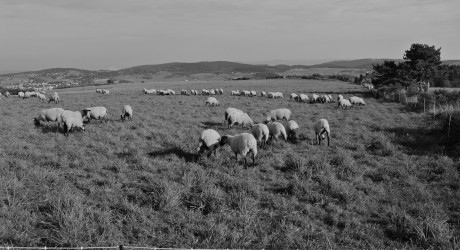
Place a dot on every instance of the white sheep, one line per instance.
(314, 98)
(28, 94)
(127, 112)
(344, 103)
(230, 111)
(71, 120)
(41, 96)
(54, 98)
(246, 92)
(205, 92)
(261, 133)
(21, 94)
(49, 115)
(95, 113)
(209, 140)
(263, 94)
(241, 144)
(99, 91)
(212, 102)
(7, 94)
(357, 100)
(303, 98)
(183, 92)
(239, 118)
(212, 92)
(293, 96)
(171, 92)
(276, 129)
(221, 91)
(236, 92)
(253, 93)
(278, 114)
(321, 127)
(291, 130)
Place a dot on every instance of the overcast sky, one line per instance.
(112, 34)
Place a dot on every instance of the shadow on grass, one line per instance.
(187, 156)
(208, 124)
(51, 128)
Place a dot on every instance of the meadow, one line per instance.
(386, 181)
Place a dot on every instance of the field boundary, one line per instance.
(121, 247)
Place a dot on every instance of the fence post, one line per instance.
(448, 131)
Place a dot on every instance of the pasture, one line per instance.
(385, 181)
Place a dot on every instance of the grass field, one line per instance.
(386, 181)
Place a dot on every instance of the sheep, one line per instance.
(54, 98)
(275, 130)
(344, 103)
(100, 91)
(150, 91)
(278, 114)
(277, 95)
(221, 91)
(105, 92)
(7, 94)
(28, 94)
(314, 98)
(192, 92)
(21, 94)
(49, 115)
(291, 129)
(72, 119)
(41, 96)
(293, 96)
(253, 93)
(271, 95)
(127, 112)
(209, 140)
(239, 118)
(236, 92)
(231, 110)
(241, 144)
(95, 113)
(261, 133)
(212, 92)
(330, 98)
(212, 102)
(205, 92)
(246, 92)
(321, 127)
(183, 92)
(357, 100)
(303, 98)
(262, 94)
(171, 92)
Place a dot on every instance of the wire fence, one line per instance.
(445, 111)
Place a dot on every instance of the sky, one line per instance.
(114, 34)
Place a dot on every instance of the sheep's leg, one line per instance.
(253, 159)
(327, 133)
(236, 157)
(209, 153)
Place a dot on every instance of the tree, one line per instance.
(390, 73)
(423, 62)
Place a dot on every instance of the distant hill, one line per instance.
(355, 64)
(451, 62)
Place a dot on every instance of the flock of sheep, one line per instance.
(40, 95)
(241, 144)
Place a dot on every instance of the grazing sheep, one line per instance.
(183, 92)
(263, 94)
(314, 98)
(205, 92)
(330, 98)
(21, 94)
(95, 113)
(212, 92)
(253, 93)
(212, 102)
(209, 140)
(171, 92)
(105, 92)
(321, 127)
(278, 114)
(291, 130)
(246, 92)
(28, 94)
(54, 98)
(49, 115)
(41, 96)
(277, 95)
(99, 91)
(261, 133)
(271, 95)
(71, 119)
(303, 98)
(221, 91)
(7, 94)
(230, 111)
(192, 92)
(236, 92)
(356, 100)
(239, 118)
(276, 129)
(293, 96)
(241, 144)
(150, 91)
(344, 103)
(127, 112)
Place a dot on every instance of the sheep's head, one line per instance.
(36, 122)
(223, 140)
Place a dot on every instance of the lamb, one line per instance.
(21, 94)
(239, 118)
(357, 100)
(54, 98)
(241, 144)
(231, 110)
(212, 102)
(127, 112)
(95, 113)
(344, 103)
(49, 115)
(261, 133)
(321, 127)
(278, 114)
(209, 140)
(291, 130)
(71, 119)
(275, 130)
(263, 94)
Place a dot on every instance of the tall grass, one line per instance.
(383, 183)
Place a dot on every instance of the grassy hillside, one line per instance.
(385, 181)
